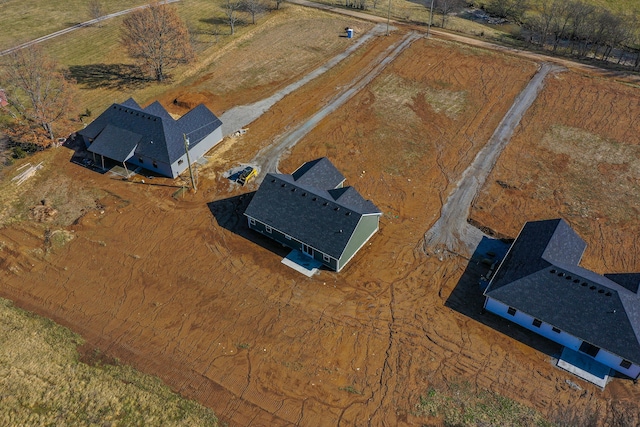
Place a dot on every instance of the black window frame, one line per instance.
(556, 330)
(626, 364)
(537, 323)
(589, 349)
(512, 311)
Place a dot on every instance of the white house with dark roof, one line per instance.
(540, 286)
(149, 137)
(310, 210)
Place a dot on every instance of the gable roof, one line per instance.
(540, 277)
(161, 137)
(324, 219)
(103, 144)
(319, 173)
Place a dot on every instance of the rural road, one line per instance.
(538, 57)
(451, 233)
(75, 27)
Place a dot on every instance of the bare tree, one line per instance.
(95, 9)
(254, 8)
(580, 25)
(278, 3)
(38, 96)
(508, 9)
(447, 7)
(231, 9)
(157, 38)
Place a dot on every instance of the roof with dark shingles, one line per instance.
(309, 214)
(127, 143)
(319, 173)
(540, 277)
(162, 136)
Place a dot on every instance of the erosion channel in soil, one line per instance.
(180, 288)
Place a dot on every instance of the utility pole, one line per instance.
(186, 148)
(430, 18)
(388, 16)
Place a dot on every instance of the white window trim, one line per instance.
(326, 258)
(252, 221)
(268, 229)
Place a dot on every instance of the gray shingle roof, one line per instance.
(323, 219)
(161, 135)
(540, 277)
(127, 143)
(319, 173)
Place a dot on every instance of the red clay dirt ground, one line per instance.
(181, 288)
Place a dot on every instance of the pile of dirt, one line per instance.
(43, 212)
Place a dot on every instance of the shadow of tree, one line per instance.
(467, 298)
(215, 21)
(111, 76)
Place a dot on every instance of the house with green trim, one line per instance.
(312, 211)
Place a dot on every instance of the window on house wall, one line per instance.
(625, 364)
(268, 229)
(140, 160)
(286, 236)
(252, 221)
(326, 258)
(512, 311)
(589, 349)
(537, 323)
(556, 330)
(155, 164)
(180, 161)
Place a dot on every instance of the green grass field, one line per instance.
(42, 382)
(24, 20)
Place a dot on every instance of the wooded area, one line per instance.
(586, 31)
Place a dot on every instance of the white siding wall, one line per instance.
(197, 152)
(562, 337)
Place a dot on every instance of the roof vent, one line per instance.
(584, 283)
(283, 185)
(325, 204)
(601, 291)
(561, 274)
(348, 214)
(337, 208)
(293, 189)
(568, 277)
(304, 194)
(273, 180)
(553, 271)
(314, 199)
(608, 294)
(576, 280)
(593, 288)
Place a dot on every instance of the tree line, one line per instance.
(575, 27)
(584, 30)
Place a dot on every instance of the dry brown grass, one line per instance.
(43, 382)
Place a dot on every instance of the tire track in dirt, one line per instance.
(239, 117)
(451, 234)
(269, 157)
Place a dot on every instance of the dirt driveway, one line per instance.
(182, 289)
